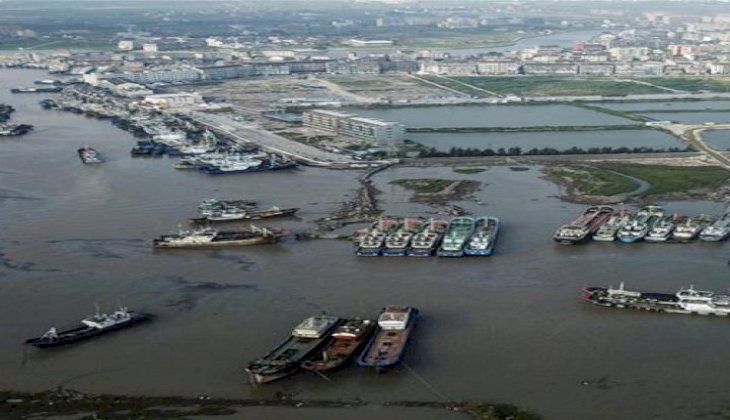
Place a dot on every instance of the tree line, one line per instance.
(517, 151)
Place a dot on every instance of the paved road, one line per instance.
(692, 134)
(274, 143)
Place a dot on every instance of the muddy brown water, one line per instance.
(508, 328)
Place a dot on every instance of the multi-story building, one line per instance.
(369, 129)
(355, 67)
(325, 120)
(349, 125)
(550, 68)
(596, 69)
(498, 66)
(165, 75)
(173, 100)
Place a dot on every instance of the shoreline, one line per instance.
(63, 402)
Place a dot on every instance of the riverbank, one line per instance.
(613, 183)
(62, 402)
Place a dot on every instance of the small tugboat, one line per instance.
(94, 326)
(233, 214)
(662, 229)
(685, 301)
(89, 155)
(689, 228)
(718, 231)
(639, 226)
(387, 347)
(582, 228)
(425, 242)
(211, 238)
(397, 242)
(346, 340)
(484, 239)
(372, 243)
(307, 338)
(459, 231)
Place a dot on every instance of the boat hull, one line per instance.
(418, 252)
(479, 252)
(218, 244)
(137, 318)
(449, 253)
(394, 252)
(368, 252)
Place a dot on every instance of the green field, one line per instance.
(555, 86)
(692, 84)
(606, 179)
(424, 185)
(675, 179)
(446, 81)
(595, 181)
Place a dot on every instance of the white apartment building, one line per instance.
(349, 125)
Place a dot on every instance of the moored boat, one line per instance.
(372, 243)
(457, 234)
(397, 242)
(307, 338)
(484, 239)
(387, 346)
(94, 326)
(718, 231)
(685, 301)
(234, 214)
(425, 242)
(607, 232)
(582, 228)
(662, 229)
(345, 341)
(89, 155)
(211, 238)
(639, 225)
(689, 228)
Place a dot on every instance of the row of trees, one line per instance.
(517, 151)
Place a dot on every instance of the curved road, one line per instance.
(692, 135)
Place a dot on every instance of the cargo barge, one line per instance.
(387, 347)
(484, 239)
(582, 228)
(211, 238)
(307, 338)
(94, 326)
(685, 301)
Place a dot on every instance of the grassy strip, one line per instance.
(541, 128)
(457, 86)
(590, 180)
(675, 179)
(556, 85)
(424, 185)
(692, 84)
(613, 112)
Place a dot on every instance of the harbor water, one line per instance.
(508, 328)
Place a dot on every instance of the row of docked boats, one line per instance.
(324, 343)
(234, 163)
(215, 211)
(649, 223)
(685, 301)
(420, 238)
